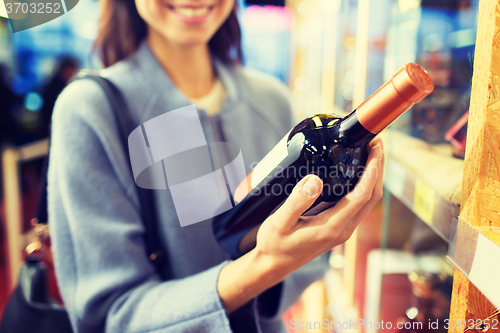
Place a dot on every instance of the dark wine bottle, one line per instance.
(334, 148)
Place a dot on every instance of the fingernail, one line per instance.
(312, 186)
(378, 151)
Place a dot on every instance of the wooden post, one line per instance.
(13, 216)
(481, 185)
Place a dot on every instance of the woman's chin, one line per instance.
(180, 38)
(191, 40)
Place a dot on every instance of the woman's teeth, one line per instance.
(191, 12)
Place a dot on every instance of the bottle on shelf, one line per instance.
(333, 148)
(431, 295)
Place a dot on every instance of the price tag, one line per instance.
(423, 201)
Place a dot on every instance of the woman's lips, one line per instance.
(191, 14)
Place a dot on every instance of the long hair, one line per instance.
(121, 30)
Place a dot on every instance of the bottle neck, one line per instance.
(408, 86)
(351, 128)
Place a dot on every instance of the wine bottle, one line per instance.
(334, 148)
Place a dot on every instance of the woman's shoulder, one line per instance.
(81, 99)
(263, 84)
(84, 122)
(266, 94)
(85, 99)
(84, 105)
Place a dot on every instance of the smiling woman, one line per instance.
(121, 27)
(163, 55)
(185, 22)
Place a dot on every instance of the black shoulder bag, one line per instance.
(29, 309)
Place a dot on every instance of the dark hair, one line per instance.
(121, 30)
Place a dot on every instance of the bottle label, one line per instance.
(270, 161)
(263, 169)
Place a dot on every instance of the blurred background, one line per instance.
(332, 54)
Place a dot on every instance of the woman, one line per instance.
(163, 55)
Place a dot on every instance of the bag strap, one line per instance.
(121, 113)
(122, 117)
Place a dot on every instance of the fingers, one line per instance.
(378, 191)
(364, 188)
(377, 194)
(355, 200)
(349, 211)
(358, 203)
(302, 197)
(375, 142)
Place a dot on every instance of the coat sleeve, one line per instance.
(106, 280)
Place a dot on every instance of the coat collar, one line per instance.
(158, 81)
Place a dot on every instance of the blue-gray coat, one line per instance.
(106, 280)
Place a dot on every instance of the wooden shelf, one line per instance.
(426, 178)
(475, 253)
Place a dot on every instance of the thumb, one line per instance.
(302, 197)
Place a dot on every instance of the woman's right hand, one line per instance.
(287, 240)
(291, 240)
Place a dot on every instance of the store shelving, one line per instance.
(421, 176)
(426, 178)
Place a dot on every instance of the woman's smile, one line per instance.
(191, 14)
(185, 22)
